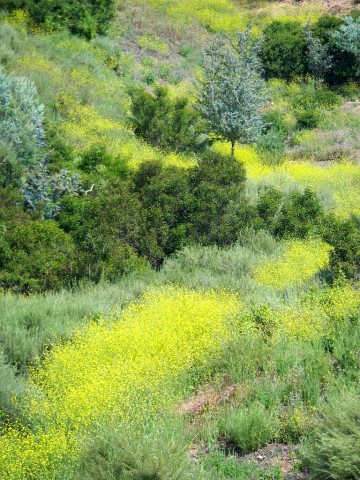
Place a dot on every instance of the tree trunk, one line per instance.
(232, 147)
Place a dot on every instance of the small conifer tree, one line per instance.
(318, 57)
(232, 92)
(347, 38)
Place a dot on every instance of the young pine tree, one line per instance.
(318, 57)
(347, 38)
(232, 92)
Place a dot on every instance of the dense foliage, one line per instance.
(168, 124)
(284, 50)
(231, 91)
(85, 18)
(169, 310)
(327, 48)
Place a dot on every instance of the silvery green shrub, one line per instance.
(318, 57)
(21, 117)
(43, 192)
(347, 38)
(232, 92)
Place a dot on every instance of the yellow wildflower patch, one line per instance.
(299, 262)
(125, 367)
(312, 317)
(340, 180)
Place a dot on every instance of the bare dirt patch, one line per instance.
(277, 455)
(331, 6)
(208, 399)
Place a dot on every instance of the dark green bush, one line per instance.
(165, 195)
(12, 4)
(41, 257)
(10, 170)
(284, 50)
(95, 157)
(166, 123)
(344, 236)
(218, 209)
(299, 216)
(333, 452)
(81, 17)
(344, 63)
(296, 216)
(308, 119)
(106, 230)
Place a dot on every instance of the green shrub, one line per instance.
(81, 17)
(42, 257)
(95, 157)
(10, 170)
(343, 62)
(308, 119)
(295, 216)
(85, 18)
(333, 451)
(166, 123)
(218, 210)
(165, 196)
(206, 205)
(248, 428)
(299, 216)
(157, 453)
(284, 50)
(107, 230)
(344, 236)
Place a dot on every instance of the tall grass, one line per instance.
(157, 452)
(333, 449)
(30, 325)
(214, 267)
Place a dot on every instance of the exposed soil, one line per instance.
(277, 455)
(332, 6)
(272, 455)
(208, 398)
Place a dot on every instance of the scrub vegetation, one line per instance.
(179, 240)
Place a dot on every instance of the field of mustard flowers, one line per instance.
(95, 376)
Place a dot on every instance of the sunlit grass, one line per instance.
(126, 368)
(298, 263)
(338, 184)
(226, 16)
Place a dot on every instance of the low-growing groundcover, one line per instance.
(126, 370)
(229, 275)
